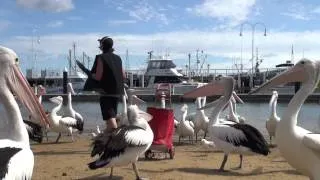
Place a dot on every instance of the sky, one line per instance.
(166, 27)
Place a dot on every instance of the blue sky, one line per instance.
(175, 27)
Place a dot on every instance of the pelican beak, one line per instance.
(294, 74)
(70, 88)
(20, 86)
(136, 100)
(213, 88)
(236, 97)
(148, 117)
(211, 104)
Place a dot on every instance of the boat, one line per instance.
(52, 80)
(161, 70)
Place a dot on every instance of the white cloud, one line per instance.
(275, 48)
(232, 11)
(298, 11)
(296, 15)
(4, 24)
(142, 10)
(47, 5)
(121, 22)
(55, 24)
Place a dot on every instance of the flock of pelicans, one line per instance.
(133, 137)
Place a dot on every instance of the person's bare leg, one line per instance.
(111, 124)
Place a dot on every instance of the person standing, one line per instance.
(109, 76)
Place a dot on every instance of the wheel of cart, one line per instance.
(162, 126)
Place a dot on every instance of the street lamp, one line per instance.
(253, 26)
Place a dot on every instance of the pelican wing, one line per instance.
(242, 135)
(72, 122)
(312, 141)
(34, 131)
(112, 144)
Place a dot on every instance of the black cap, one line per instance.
(105, 43)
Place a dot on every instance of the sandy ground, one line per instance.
(68, 160)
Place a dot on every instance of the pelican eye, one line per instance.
(302, 62)
(17, 60)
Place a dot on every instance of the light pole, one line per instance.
(253, 26)
(33, 47)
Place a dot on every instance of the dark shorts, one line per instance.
(109, 107)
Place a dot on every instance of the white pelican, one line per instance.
(17, 159)
(185, 127)
(233, 100)
(201, 120)
(229, 137)
(125, 144)
(122, 119)
(69, 111)
(40, 92)
(32, 124)
(61, 124)
(300, 147)
(273, 120)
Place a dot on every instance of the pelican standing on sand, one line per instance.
(273, 120)
(201, 120)
(229, 137)
(124, 144)
(69, 111)
(62, 124)
(185, 127)
(300, 147)
(17, 159)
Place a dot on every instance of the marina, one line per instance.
(159, 90)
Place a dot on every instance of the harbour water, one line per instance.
(254, 113)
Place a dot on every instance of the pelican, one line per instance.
(35, 131)
(185, 127)
(17, 159)
(69, 111)
(32, 124)
(233, 100)
(273, 120)
(125, 144)
(229, 137)
(62, 124)
(300, 147)
(122, 119)
(201, 120)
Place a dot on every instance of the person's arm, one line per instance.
(123, 74)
